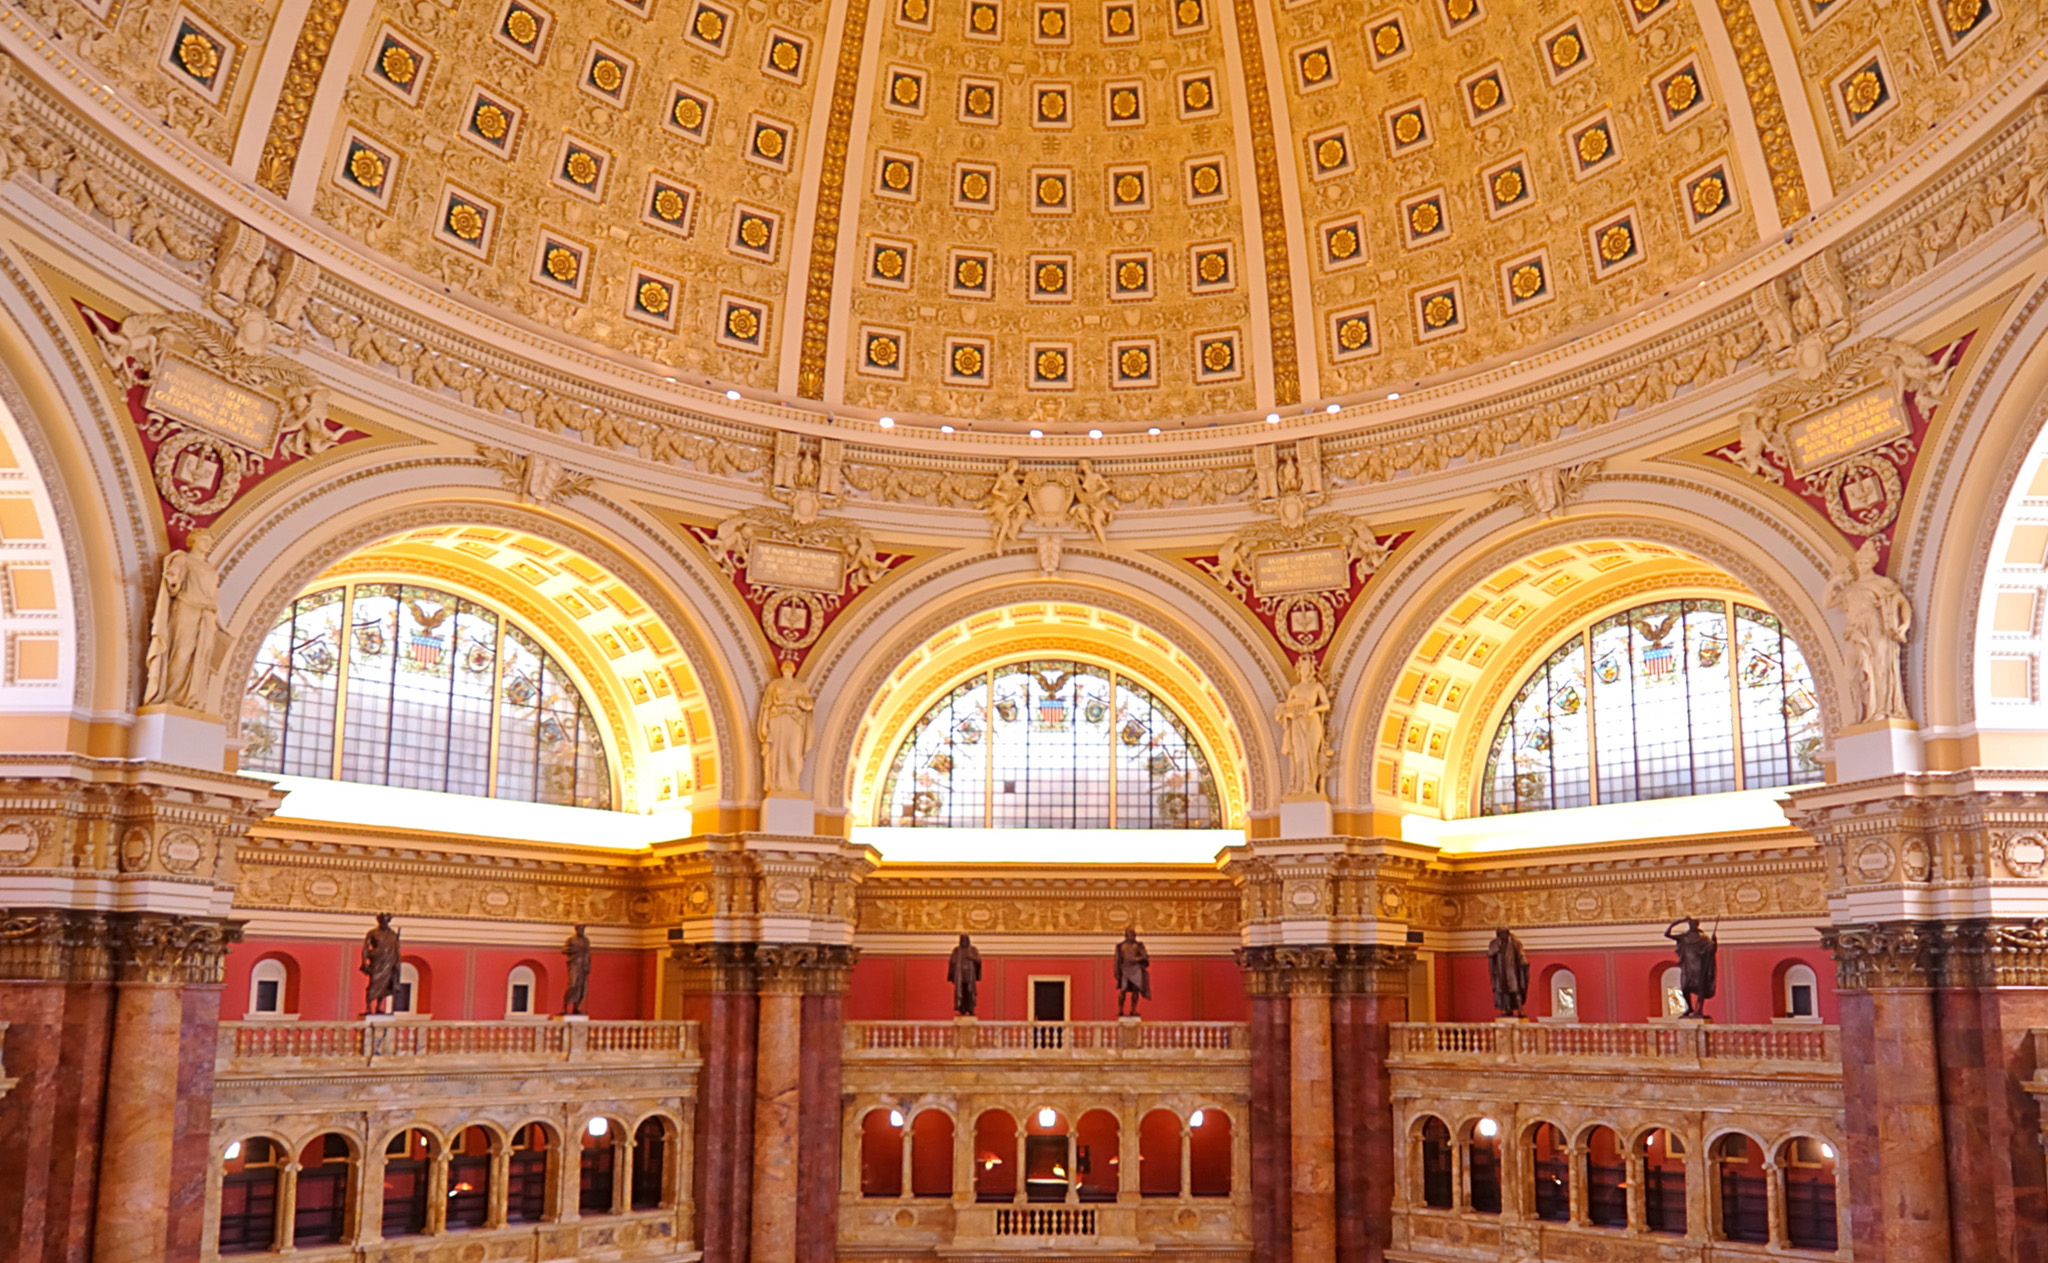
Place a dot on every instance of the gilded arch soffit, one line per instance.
(701, 709)
(1713, 553)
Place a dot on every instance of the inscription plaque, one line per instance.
(1867, 421)
(186, 392)
(1302, 570)
(787, 566)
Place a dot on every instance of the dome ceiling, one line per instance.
(1062, 213)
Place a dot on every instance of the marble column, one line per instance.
(778, 1071)
(1311, 1108)
(1370, 982)
(1271, 1213)
(821, 1116)
(718, 981)
(154, 958)
(56, 1050)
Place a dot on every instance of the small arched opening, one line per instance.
(527, 1174)
(1744, 1207)
(1670, 992)
(1435, 1138)
(273, 987)
(1564, 995)
(1047, 1164)
(412, 998)
(1097, 1159)
(596, 1180)
(653, 1142)
(1798, 993)
(249, 1189)
(1807, 1166)
(931, 1154)
(1606, 1174)
(881, 1153)
(1208, 1153)
(469, 1180)
(320, 1207)
(995, 1157)
(1482, 1167)
(1550, 1191)
(1159, 1154)
(408, 1167)
(522, 991)
(1663, 1155)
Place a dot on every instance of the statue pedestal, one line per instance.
(1305, 817)
(1884, 747)
(790, 817)
(572, 1017)
(172, 734)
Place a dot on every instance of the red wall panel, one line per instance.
(461, 983)
(1622, 984)
(914, 988)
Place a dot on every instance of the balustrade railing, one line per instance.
(1083, 1039)
(372, 1042)
(1045, 1221)
(1689, 1043)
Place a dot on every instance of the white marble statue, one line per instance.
(1303, 739)
(785, 732)
(1008, 506)
(1876, 618)
(183, 628)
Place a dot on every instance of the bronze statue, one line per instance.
(577, 950)
(963, 970)
(1696, 964)
(380, 965)
(1133, 972)
(1509, 965)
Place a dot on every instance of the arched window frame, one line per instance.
(1797, 975)
(1181, 744)
(1575, 676)
(317, 736)
(275, 970)
(1563, 985)
(1670, 992)
(407, 1001)
(528, 977)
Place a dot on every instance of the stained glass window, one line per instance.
(425, 690)
(1050, 745)
(1660, 701)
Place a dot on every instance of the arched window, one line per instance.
(410, 997)
(1655, 702)
(1098, 1152)
(407, 1160)
(1671, 992)
(1798, 998)
(1745, 1205)
(931, 1154)
(521, 991)
(320, 1209)
(270, 988)
(1482, 1167)
(881, 1153)
(1606, 1175)
(526, 1175)
(397, 684)
(1051, 744)
(995, 1157)
(651, 1146)
(1208, 1153)
(596, 1181)
(1564, 996)
(1048, 1148)
(1159, 1154)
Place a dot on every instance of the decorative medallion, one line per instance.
(1408, 128)
(607, 75)
(1052, 24)
(974, 186)
(754, 233)
(1486, 94)
(1343, 243)
(1439, 311)
(1508, 188)
(491, 121)
(366, 168)
(1217, 357)
(524, 27)
(1051, 191)
(784, 57)
(1124, 104)
(582, 168)
(967, 361)
(970, 274)
(1460, 13)
(1680, 94)
(1052, 277)
(1354, 334)
(1051, 365)
(884, 352)
(1424, 219)
(1386, 39)
(561, 264)
(1329, 154)
(979, 100)
(1205, 181)
(1525, 282)
(1591, 146)
(916, 14)
(652, 299)
(1863, 94)
(398, 64)
(709, 27)
(1051, 105)
(742, 324)
(1130, 189)
(670, 205)
(467, 222)
(770, 142)
(889, 264)
(896, 176)
(1189, 16)
(689, 113)
(1133, 365)
(1210, 269)
(984, 20)
(199, 56)
(1565, 51)
(1706, 195)
(906, 91)
(1616, 243)
(1119, 23)
(1314, 68)
(1130, 276)
(1197, 95)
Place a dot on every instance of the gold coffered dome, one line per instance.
(1078, 214)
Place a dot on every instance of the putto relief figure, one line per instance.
(1133, 973)
(963, 970)
(1697, 964)
(1509, 966)
(784, 731)
(380, 966)
(576, 951)
(184, 626)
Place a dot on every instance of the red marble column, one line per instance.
(820, 1123)
(191, 1151)
(56, 1050)
(1271, 1139)
(718, 993)
(1371, 995)
(1991, 1123)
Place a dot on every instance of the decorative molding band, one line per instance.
(61, 945)
(1772, 130)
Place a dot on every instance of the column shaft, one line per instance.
(134, 1201)
(778, 1073)
(1272, 1217)
(1313, 1140)
(822, 1124)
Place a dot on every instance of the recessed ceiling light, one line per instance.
(1037, 434)
(945, 429)
(1333, 408)
(732, 394)
(668, 379)
(1272, 418)
(887, 423)
(1393, 394)
(1153, 430)
(1094, 434)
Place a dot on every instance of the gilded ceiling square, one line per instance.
(1456, 15)
(1052, 105)
(785, 56)
(971, 273)
(967, 361)
(607, 75)
(1643, 12)
(1130, 276)
(1219, 357)
(1485, 93)
(771, 142)
(1407, 128)
(884, 352)
(1525, 282)
(491, 121)
(710, 27)
(670, 205)
(1386, 39)
(1354, 334)
(896, 176)
(1615, 243)
(1343, 242)
(1314, 67)
(523, 28)
(1680, 93)
(1052, 278)
(889, 263)
(1564, 50)
(466, 221)
(1425, 218)
(980, 101)
(560, 263)
(1134, 364)
(1119, 23)
(1591, 145)
(1507, 187)
(1329, 153)
(1707, 194)
(974, 186)
(1211, 268)
(1205, 180)
(1052, 191)
(1190, 17)
(1052, 24)
(1129, 189)
(915, 14)
(1050, 365)
(582, 168)
(1862, 94)
(1196, 92)
(1439, 311)
(1957, 24)
(1123, 103)
(984, 20)
(742, 324)
(906, 91)
(688, 113)
(199, 55)
(365, 168)
(653, 298)
(398, 64)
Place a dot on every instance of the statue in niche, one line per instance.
(963, 970)
(1303, 739)
(183, 628)
(1509, 965)
(1133, 972)
(784, 731)
(577, 952)
(1876, 618)
(1697, 965)
(380, 966)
